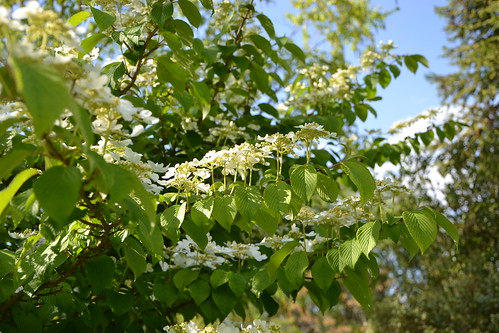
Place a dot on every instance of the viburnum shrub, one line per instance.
(163, 161)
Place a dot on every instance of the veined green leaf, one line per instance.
(208, 4)
(322, 273)
(447, 226)
(18, 181)
(7, 262)
(262, 43)
(171, 219)
(294, 268)
(368, 235)
(103, 19)
(361, 177)
(196, 232)
(135, 256)
(161, 11)
(201, 212)
(58, 190)
(224, 211)
(422, 227)
(266, 219)
(248, 200)
(327, 188)
(350, 252)
(304, 181)
(277, 258)
(333, 259)
(278, 197)
(191, 12)
(357, 283)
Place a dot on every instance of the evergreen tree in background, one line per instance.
(435, 294)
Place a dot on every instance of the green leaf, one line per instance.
(427, 136)
(422, 227)
(203, 91)
(259, 76)
(277, 258)
(199, 290)
(135, 256)
(224, 211)
(171, 219)
(294, 268)
(361, 177)
(172, 72)
(78, 18)
(18, 181)
(100, 272)
(237, 283)
(262, 43)
(421, 59)
(119, 302)
(350, 252)
(333, 259)
(7, 263)
(269, 109)
(395, 70)
(248, 200)
(58, 190)
(407, 241)
(357, 283)
(224, 298)
(165, 293)
(447, 226)
(191, 12)
(196, 232)
(304, 181)
(103, 19)
(219, 277)
(322, 273)
(327, 188)
(267, 25)
(368, 235)
(384, 78)
(150, 235)
(89, 43)
(208, 4)
(161, 11)
(45, 93)
(184, 31)
(185, 277)
(295, 51)
(266, 220)
(278, 197)
(201, 212)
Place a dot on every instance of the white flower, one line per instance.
(31, 8)
(137, 130)
(126, 109)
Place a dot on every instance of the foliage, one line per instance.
(455, 291)
(97, 234)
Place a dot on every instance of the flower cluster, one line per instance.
(227, 326)
(318, 86)
(241, 160)
(370, 58)
(188, 254)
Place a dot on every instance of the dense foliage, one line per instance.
(456, 291)
(162, 160)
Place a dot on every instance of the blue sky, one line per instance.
(415, 28)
